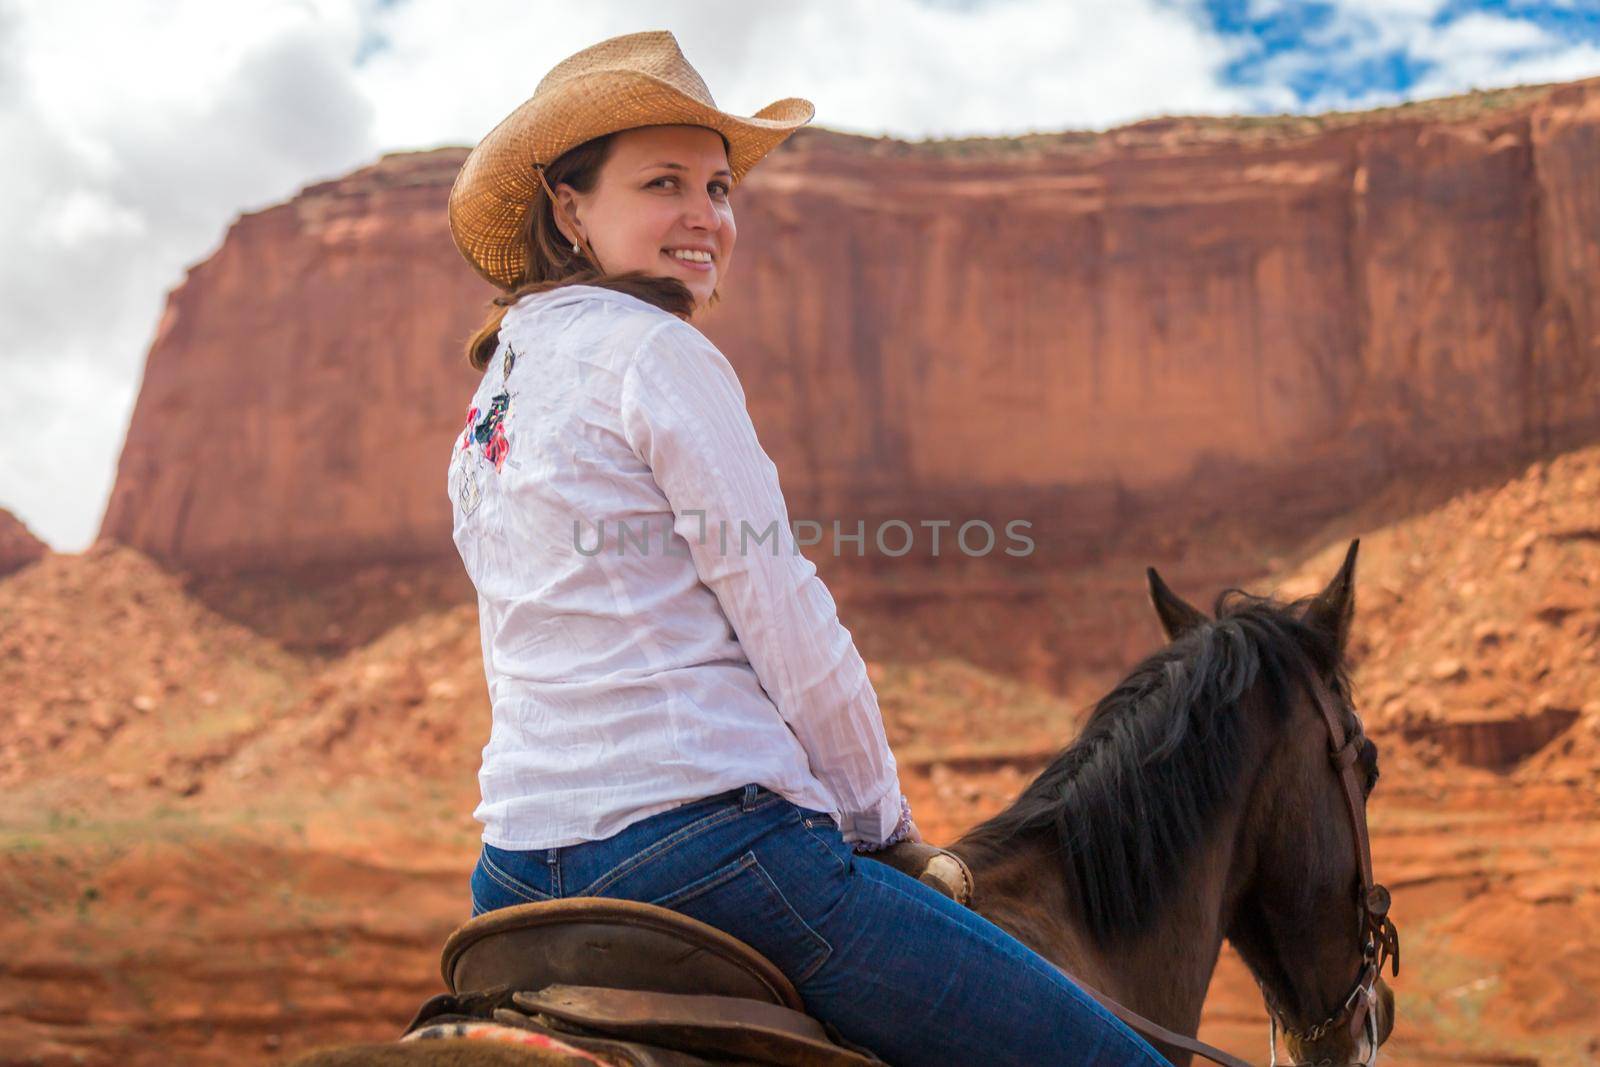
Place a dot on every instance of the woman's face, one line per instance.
(663, 189)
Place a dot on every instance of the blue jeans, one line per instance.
(892, 963)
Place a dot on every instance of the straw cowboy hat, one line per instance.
(638, 79)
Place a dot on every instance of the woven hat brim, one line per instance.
(496, 186)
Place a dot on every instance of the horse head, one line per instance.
(1303, 911)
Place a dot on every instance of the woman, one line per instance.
(678, 715)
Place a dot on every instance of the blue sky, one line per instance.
(1327, 53)
(138, 130)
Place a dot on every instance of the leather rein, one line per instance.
(1380, 941)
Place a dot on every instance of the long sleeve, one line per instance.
(683, 413)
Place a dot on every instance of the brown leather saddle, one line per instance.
(644, 985)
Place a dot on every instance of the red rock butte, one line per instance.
(18, 546)
(1097, 332)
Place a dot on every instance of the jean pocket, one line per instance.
(741, 899)
(823, 831)
(494, 887)
(705, 816)
(813, 819)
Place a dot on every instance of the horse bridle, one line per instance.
(1380, 940)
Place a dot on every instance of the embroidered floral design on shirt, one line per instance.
(486, 429)
(490, 431)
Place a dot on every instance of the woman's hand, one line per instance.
(913, 834)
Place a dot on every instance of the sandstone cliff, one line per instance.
(304, 381)
(1102, 333)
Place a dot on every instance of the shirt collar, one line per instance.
(572, 294)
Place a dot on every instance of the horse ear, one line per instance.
(1177, 615)
(1333, 609)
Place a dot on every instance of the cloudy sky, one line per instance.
(137, 130)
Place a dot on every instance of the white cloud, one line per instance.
(144, 128)
(894, 66)
(1480, 51)
(142, 132)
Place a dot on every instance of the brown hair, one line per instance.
(552, 263)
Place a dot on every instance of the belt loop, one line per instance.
(552, 856)
(749, 800)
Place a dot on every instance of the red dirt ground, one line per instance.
(230, 841)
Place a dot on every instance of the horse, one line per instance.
(1196, 805)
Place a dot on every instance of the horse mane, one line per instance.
(1133, 795)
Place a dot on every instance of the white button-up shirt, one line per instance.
(638, 656)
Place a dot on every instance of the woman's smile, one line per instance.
(697, 264)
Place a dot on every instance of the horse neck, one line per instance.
(1162, 972)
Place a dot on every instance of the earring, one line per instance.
(574, 246)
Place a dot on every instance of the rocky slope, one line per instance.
(116, 680)
(1480, 642)
(244, 850)
(18, 546)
